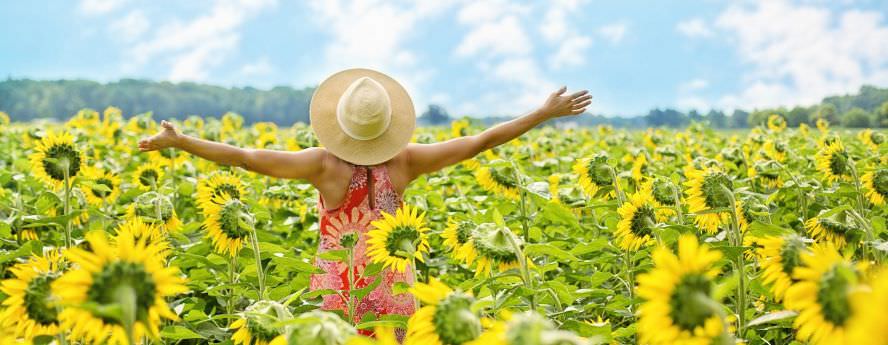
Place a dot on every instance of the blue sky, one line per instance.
(474, 57)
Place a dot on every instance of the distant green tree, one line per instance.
(739, 119)
(717, 119)
(435, 115)
(882, 115)
(825, 111)
(857, 118)
(796, 116)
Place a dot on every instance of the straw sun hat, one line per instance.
(362, 116)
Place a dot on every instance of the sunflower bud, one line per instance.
(319, 328)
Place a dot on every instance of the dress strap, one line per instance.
(371, 192)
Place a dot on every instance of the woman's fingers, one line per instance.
(582, 104)
(582, 99)
(578, 94)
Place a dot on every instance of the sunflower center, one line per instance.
(686, 309)
(227, 188)
(63, 155)
(37, 299)
(455, 323)
(880, 181)
(230, 219)
(148, 177)
(643, 220)
(401, 241)
(348, 240)
(504, 177)
(832, 294)
(714, 189)
(835, 227)
(877, 138)
(491, 242)
(464, 231)
(259, 331)
(838, 163)
(104, 182)
(791, 254)
(120, 273)
(664, 193)
(599, 172)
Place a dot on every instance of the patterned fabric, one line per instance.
(354, 216)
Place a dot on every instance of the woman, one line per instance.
(364, 119)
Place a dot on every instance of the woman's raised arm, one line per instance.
(304, 164)
(427, 158)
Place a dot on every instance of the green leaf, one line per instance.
(179, 333)
(535, 249)
(773, 317)
(334, 255)
(759, 229)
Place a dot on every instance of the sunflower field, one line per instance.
(773, 235)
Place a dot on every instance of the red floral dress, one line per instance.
(354, 216)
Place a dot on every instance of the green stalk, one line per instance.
(415, 280)
(522, 264)
(66, 208)
(232, 264)
(254, 241)
(630, 267)
(802, 196)
(126, 297)
(351, 286)
(677, 204)
(740, 262)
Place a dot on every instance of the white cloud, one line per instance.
(688, 97)
(572, 52)
(801, 53)
(693, 85)
(192, 48)
(260, 67)
(504, 36)
(570, 46)
(613, 32)
(97, 7)
(695, 27)
(130, 27)
(375, 34)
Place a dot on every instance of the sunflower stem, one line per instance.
(414, 278)
(66, 208)
(630, 276)
(737, 238)
(351, 286)
(677, 203)
(254, 242)
(526, 232)
(616, 183)
(232, 264)
(861, 211)
(126, 297)
(802, 196)
(522, 264)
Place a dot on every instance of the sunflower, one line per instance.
(55, 154)
(168, 157)
(876, 184)
(526, 328)
(381, 336)
(639, 167)
(780, 255)
(498, 181)
(775, 150)
(554, 185)
(457, 235)
(822, 296)
(871, 139)
(217, 184)
(148, 176)
(868, 323)
(4, 119)
(594, 174)
(767, 173)
(109, 182)
(446, 318)
(488, 247)
(708, 189)
(459, 128)
(29, 309)
(141, 231)
(145, 208)
(776, 123)
(638, 217)
(676, 290)
(822, 125)
(832, 161)
(254, 327)
(123, 271)
(224, 219)
(395, 240)
(267, 140)
(834, 229)
(804, 129)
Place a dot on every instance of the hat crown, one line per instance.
(364, 111)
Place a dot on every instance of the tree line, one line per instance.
(25, 99)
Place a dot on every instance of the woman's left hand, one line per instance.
(558, 104)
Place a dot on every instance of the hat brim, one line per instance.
(322, 114)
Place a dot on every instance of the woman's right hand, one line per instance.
(167, 137)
